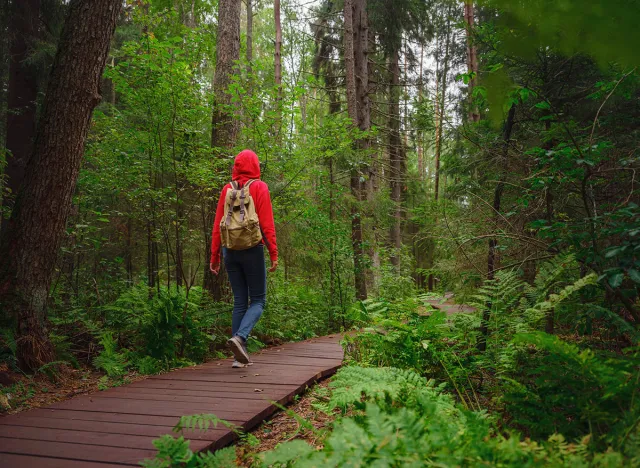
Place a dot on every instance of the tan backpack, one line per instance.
(240, 226)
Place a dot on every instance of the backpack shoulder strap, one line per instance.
(232, 199)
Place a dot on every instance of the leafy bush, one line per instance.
(293, 312)
(162, 325)
(401, 420)
(556, 387)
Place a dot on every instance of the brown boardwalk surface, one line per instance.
(116, 427)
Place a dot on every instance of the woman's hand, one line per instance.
(274, 266)
(215, 269)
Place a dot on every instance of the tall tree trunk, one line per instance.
(5, 46)
(278, 69)
(472, 57)
(36, 227)
(224, 128)
(21, 99)
(420, 137)
(354, 111)
(363, 103)
(441, 93)
(349, 62)
(249, 51)
(395, 156)
(441, 108)
(493, 242)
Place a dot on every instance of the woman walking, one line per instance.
(243, 226)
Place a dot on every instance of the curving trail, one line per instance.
(116, 427)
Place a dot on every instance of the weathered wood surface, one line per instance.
(116, 427)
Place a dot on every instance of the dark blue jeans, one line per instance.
(248, 276)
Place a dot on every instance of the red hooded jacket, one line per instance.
(247, 167)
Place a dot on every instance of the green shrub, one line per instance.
(557, 387)
(401, 420)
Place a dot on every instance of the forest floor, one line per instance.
(285, 426)
(21, 392)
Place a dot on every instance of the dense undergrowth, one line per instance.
(416, 391)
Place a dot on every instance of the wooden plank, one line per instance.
(239, 387)
(288, 377)
(88, 437)
(271, 358)
(91, 453)
(28, 461)
(144, 419)
(159, 408)
(246, 393)
(113, 428)
(228, 400)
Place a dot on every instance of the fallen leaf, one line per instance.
(258, 390)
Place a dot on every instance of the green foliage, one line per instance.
(174, 452)
(151, 323)
(417, 426)
(109, 360)
(603, 29)
(294, 312)
(557, 387)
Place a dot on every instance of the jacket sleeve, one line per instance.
(265, 214)
(215, 235)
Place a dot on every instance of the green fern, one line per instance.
(109, 360)
(223, 458)
(171, 452)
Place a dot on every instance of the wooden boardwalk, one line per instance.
(117, 426)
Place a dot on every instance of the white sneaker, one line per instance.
(239, 365)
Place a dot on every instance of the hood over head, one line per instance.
(246, 166)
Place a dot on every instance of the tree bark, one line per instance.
(493, 242)
(395, 156)
(441, 93)
(472, 57)
(278, 69)
(36, 227)
(224, 128)
(21, 99)
(441, 109)
(349, 62)
(353, 11)
(249, 36)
